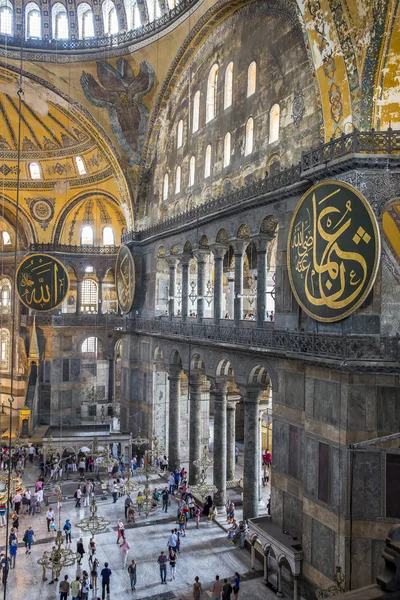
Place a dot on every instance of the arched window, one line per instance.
(5, 349)
(249, 136)
(108, 236)
(251, 79)
(132, 14)
(85, 21)
(154, 10)
(34, 170)
(192, 171)
(5, 297)
(178, 180)
(89, 346)
(89, 296)
(33, 21)
(87, 236)
(6, 238)
(227, 150)
(274, 116)
(165, 187)
(212, 89)
(6, 17)
(228, 90)
(59, 22)
(179, 135)
(110, 18)
(196, 112)
(80, 165)
(207, 166)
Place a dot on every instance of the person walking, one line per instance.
(172, 539)
(128, 502)
(132, 574)
(236, 454)
(216, 589)
(105, 580)
(28, 539)
(64, 588)
(13, 551)
(120, 531)
(92, 550)
(162, 562)
(85, 586)
(94, 573)
(59, 497)
(124, 549)
(17, 502)
(171, 484)
(226, 590)
(165, 499)
(86, 495)
(78, 496)
(172, 558)
(76, 588)
(236, 585)
(197, 517)
(80, 550)
(67, 530)
(197, 589)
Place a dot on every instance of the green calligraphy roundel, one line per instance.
(42, 282)
(333, 251)
(125, 278)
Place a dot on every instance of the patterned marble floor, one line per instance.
(204, 552)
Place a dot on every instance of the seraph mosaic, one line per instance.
(121, 92)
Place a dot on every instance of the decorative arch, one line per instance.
(257, 368)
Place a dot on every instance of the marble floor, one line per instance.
(204, 552)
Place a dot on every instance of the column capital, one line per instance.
(196, 378)
(185, 258)
(174, 372)
(201, 254)
(239, 246)
(172, 260)
(219, 250)
(251, 393)
(219, 386)
(262, 241)
(231, 403)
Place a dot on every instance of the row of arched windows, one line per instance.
(35, 171)
(274, 118)
(60, 21)
(87, 236)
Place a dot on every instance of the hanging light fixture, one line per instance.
(203, 488)
(58, 558)
(93, 524)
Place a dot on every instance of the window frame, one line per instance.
(208, 162)
(30, 9)
(108, 228)
(196, 112)
(249, 137)
(39, 168)
(212, 92)
(251, 79)
(86, 226)
(6, 6)
(228, 86)
(227, 152)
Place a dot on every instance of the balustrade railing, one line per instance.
(73, 249)
(363, 142)
(110, 321)
(108, 41)
(333, 346)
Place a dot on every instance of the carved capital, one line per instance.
(262, 241)
(219, 250)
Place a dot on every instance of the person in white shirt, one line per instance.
(49, 518)
(172, 539)
(31, 453)
(78, 496)
(171, 483)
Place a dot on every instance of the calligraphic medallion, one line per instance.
(42, 282)
(333, 251)
(125, 279)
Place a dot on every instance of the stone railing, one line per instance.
(108, 41)
(70, 320)
(73, 249)
(357, 142)
(285, 342)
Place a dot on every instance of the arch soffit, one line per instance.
(245, 369)
(96, 132)
(108, 344)
(27, 220)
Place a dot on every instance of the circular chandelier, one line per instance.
(58, 558)
(203, 488)
(139, 440)
(94, 523)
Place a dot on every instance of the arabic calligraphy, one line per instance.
(42, 282)
(125, 279)
(333, 251)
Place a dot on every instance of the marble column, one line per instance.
(230, 439)
(78, 297)
(174, 428)
(195, 385)
(111, 380)
(238, 248)
(201, 256)
(219, 472)
(262, 242)
(231, 294)
(172, 263)
(185, 260)
(219, 252)
(251, 474)
(100, 298)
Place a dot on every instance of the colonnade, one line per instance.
(219, 250)
(224, 434)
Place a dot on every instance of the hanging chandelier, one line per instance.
(93, 524)
(139, 440)
(48, 448)
(58, 558)
(203, 488)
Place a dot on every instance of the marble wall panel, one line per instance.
(292, 515)
(323, 548)
(326, 401)
(367, 485)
